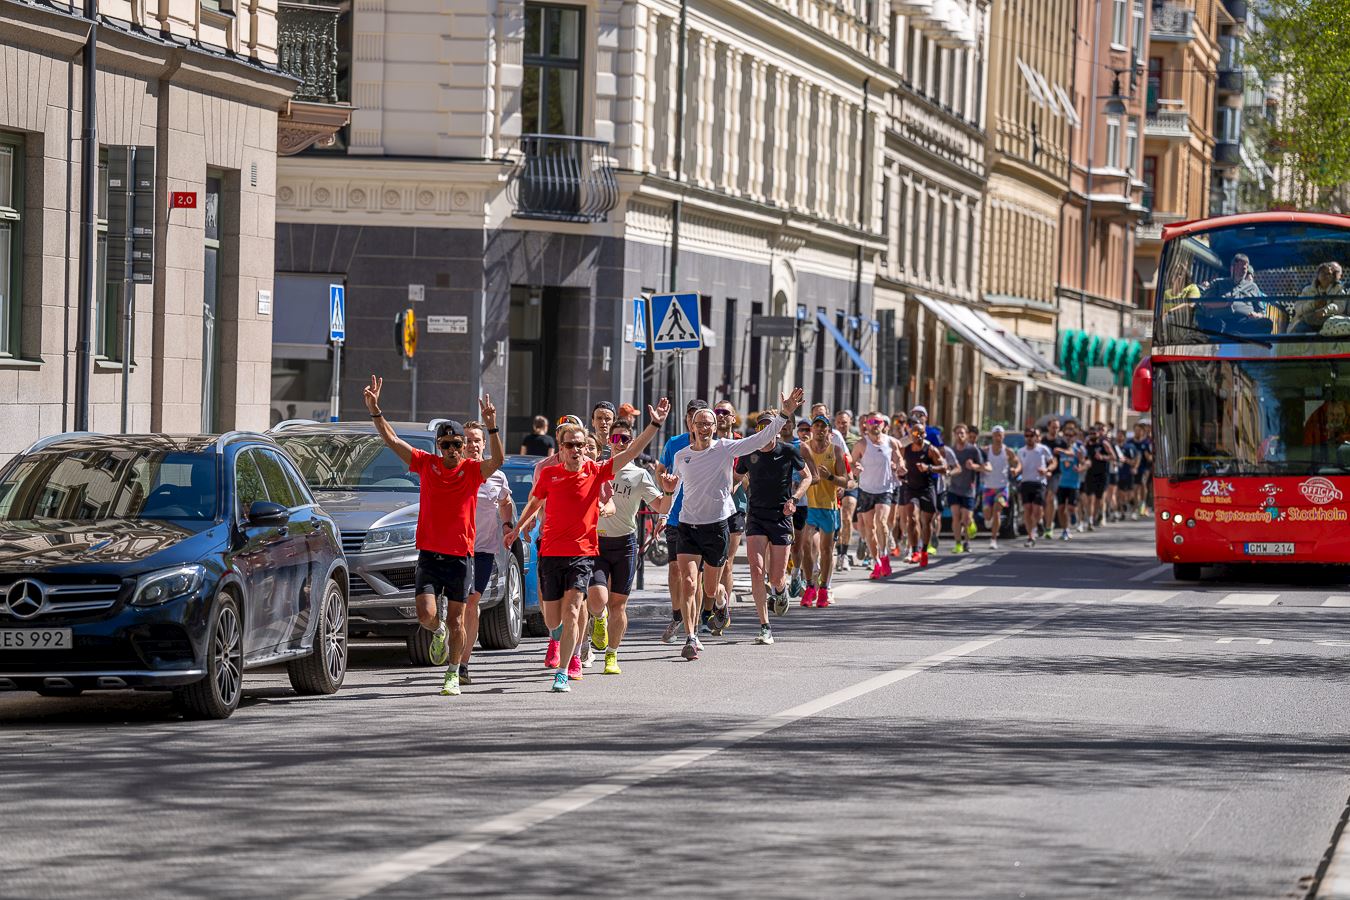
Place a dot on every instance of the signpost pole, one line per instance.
(337, 380)
(414, 389)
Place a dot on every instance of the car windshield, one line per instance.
(110, 483)
(1264, 417)
(352, 462)
(1264, 283)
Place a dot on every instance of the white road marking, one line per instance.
(437, 853)
(1040, 595)
(1337, 600)
(1150, 574)
(1249, 599)
(954, 592)
(1145, 597)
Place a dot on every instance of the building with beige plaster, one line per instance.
(200, 88)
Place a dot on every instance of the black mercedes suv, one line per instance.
(163, 562)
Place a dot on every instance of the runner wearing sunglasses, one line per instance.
(495, 512)
(667, 465)
(704, 469)
(877, 461)
(569, 542)
(448, 499)
(717, 617)
(553, 613)
(616, 563)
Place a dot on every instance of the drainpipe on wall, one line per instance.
(84, 329)
(681, 68)
(862, 226)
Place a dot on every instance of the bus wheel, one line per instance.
(1186, 571)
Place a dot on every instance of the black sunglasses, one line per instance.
(575, 445)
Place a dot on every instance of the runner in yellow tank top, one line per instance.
(828, 479)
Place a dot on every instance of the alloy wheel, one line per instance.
(228, 655)
(335, 633)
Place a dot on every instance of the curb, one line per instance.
(1335, 881)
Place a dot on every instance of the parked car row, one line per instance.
(177, 563)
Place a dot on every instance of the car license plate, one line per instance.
(35, 639)
(1268, 549)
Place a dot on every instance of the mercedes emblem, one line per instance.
(25, 599)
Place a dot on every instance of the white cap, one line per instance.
(997, 429)
(920, 410)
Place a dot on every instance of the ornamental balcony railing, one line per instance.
(564, 178)
(1167, 123)
(307, 49)
(1172, 22)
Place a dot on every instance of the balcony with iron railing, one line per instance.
(1172, 22)
(1227, 154)
(1169, 120)
(564, 179)
(1230, 80)
(307, 50)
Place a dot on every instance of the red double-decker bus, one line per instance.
(1249, 390)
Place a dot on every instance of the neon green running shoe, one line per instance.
(972, 530)
(439, 652)
(451, 686)
(612, 663)
(932, 551)
(600, 633)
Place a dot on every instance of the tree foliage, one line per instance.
(1305, 46)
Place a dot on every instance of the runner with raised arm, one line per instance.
(705, 472)
(448, 499)
(569, 542)
(495, 513)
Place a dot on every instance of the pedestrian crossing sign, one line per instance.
(640, 324)
(675, 322)
(337, 314)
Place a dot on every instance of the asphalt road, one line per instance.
(1057, 722)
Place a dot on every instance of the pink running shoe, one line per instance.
(885, 566)
(877, 572)
(923, 559)
(574, 669)
(554, 654)
(823, 598)
(809, 598)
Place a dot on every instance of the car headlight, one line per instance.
(390, 537)
(161, 587)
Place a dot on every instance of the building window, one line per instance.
(552, 89)
(1120, 22)
(1113, 143)
(1150, 179)
(1132, 145)
(108, 286)
(1155, 73)
(11, 241)
(1228, 128)
(1138, 42)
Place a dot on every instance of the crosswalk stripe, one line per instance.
(954, 592)
(1337, 600)
(1145, 597)
(1249, 599)
(1040, 595)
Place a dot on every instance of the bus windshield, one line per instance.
(1265, 282)
(1252, 417)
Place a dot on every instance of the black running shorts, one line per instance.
(560, 574)
(708, 542)
(443, 575)
(616, 566)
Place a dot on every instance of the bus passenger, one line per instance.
(1311, 315)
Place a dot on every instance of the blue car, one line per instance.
(519, 470)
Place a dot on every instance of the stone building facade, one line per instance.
(199, 88)
(518, 168)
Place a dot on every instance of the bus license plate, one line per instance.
(1269, 549)
(35, 639)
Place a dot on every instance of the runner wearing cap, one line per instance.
(705, 471)
(448, 497)
(569, 541)
(667, 465)
(616, 562)
(877, 461)
(777, 479)
(1003, 468)
(829, 477)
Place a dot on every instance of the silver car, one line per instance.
(373, 498)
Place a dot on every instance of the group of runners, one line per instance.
(791, 489)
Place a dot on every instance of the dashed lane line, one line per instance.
(403, 866)
(1150, 574)
(1342, 600)
(954, 592)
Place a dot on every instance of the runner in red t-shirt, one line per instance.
(570, 542)
(445, 524)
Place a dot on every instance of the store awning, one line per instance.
(1056, 385)
(979, 329)
(848, 348)
(300, 316)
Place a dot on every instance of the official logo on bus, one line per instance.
(1320, 491)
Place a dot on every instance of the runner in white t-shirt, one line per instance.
(1037, 463)
(877, 463)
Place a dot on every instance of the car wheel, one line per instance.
(323, 670)
(501, 627)
(217, 695)
(534, 626)
(419, 648)
(1186, 571)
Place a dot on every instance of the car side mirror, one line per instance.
(264, 512)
